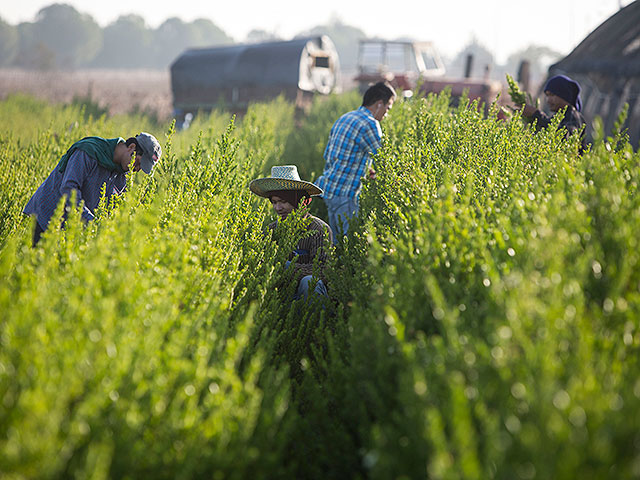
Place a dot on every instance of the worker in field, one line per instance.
(287, 193)
(87, 166)
(561, 92)
(354, 138)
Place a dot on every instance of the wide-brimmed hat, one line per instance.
(283, 177)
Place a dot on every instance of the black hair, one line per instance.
(380, 91)
(291, 196)
(132, 140)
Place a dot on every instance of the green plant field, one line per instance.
(483, 320)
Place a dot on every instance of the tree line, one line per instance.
(61, 37)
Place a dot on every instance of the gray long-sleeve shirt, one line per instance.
(82, 174)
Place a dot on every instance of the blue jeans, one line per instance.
(340, 210)
(303, 288)
(302, 291)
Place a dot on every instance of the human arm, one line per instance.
(542, 120)
(312, 248)
(571, 121)
(371, 141)
(371, 137)
(79, 167)
(528, 110)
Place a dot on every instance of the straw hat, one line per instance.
(283, 177)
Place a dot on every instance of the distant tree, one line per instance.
(126, 44)
(258, 35)
(482, 58)
(204, 33)
(344, 37)
(174, 36)
(74, 38)
(33, 53)
(8, 43)
(169, 40)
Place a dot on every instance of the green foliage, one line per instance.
(517, 95)
(482, 322)
(503, 269)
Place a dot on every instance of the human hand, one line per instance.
(528, 110)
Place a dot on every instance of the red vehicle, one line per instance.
(405, 65)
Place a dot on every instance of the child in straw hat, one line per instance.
(287, 193)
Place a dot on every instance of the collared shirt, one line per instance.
(310, 247)
(82, 174)
(354, 138)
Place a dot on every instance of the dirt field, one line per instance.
(119, 91)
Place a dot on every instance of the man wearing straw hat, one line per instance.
(287, 192)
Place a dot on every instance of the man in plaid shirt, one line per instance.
(354, 138)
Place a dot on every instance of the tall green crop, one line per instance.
(482, 319)
(517, 96)
(500, 277)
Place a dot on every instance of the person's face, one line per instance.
(281, 206)
(380, 109)
(555, 102)
(123, 155)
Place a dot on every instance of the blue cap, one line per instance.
(565, 88)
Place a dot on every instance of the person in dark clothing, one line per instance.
(561, 92)
(87, 165)
(287, 193)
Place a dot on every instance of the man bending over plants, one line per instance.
(89, 164)
(287, 193)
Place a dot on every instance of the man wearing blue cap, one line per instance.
(560, 92)
(89, 164)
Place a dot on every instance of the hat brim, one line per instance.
(146, 163)
(263, 186)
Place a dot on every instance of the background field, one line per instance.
(115, 91)
(482, 322)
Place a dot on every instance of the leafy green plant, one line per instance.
(482, 319)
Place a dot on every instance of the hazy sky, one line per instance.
(503, 26)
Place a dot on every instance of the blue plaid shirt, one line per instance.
(354, 138)
(84, 175)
